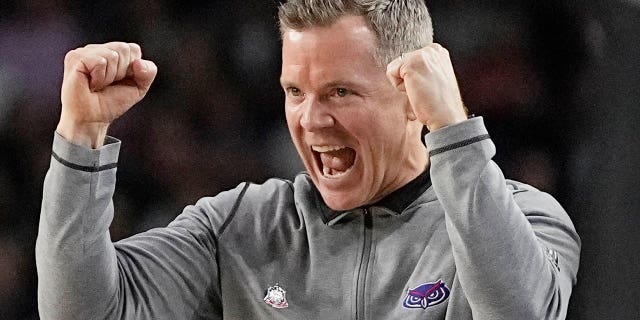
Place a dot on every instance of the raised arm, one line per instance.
(164, 273)
(515, 248)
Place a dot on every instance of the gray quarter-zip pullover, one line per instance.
(458, 242)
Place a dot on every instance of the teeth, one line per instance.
(328, 172)
(326, 148)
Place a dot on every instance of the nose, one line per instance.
(316, 116)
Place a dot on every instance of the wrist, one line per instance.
(89, 135)
(436, 125)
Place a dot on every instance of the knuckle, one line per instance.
(113, 55)
(107, 54)
(152, 66)
(134, 47)
(70, 56)
(74, 57)
(425, 56)
(389, 71)
(102, 61)
(121, 48)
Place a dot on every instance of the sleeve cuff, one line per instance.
(456, 136)
(86, 159)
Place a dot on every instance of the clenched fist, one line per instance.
(426, 76)
(101, 82)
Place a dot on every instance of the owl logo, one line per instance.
(276, 297)
(426, 295)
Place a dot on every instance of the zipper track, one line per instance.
(364, 265)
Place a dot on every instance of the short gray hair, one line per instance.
(399, 25)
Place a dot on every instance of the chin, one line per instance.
(342, 191)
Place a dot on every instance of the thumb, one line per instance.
(144, 72)
(86, 72)
(394, 76)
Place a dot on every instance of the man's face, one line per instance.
(349, 124)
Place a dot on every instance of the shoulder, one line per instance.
(251, 206)
(262, 209)
(278, 189)
(216, 212)
(529, 197)
(538, 205)
(269, 188)
(246, 192)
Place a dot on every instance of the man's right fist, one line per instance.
(101, 82)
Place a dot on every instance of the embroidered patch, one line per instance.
(426, 295)
(276, 297)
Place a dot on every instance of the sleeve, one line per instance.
(164, 273)
(515, 248)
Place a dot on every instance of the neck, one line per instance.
(418, 156)
(417, 160)
(413, 164)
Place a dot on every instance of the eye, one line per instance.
(342, 92)
(295, 92)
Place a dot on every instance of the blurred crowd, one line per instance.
(214, 116)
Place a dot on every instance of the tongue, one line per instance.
(340, 160)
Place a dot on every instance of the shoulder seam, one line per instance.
(234, 209)
(83, 168)
(288, 182)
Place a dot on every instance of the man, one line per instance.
(379, 227)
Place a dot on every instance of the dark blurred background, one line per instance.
(558, 83)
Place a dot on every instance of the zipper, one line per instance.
(364, 265)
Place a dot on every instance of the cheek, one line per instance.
(293, 121)
(381, 142)
(296, 132)
(376, 130)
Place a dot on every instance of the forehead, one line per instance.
(343, 48)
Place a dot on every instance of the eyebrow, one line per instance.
(341, 83)
(285, 83)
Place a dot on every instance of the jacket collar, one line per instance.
(396, 202)
(400, 199)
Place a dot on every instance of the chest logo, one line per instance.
(426, 295)
(276, 297)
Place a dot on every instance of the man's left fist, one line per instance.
(427, 77)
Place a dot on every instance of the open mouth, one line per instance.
(334, 161)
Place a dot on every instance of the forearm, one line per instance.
(75, 258)
(499, 256)
(164, 273)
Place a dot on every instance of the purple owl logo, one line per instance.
(426, 295)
